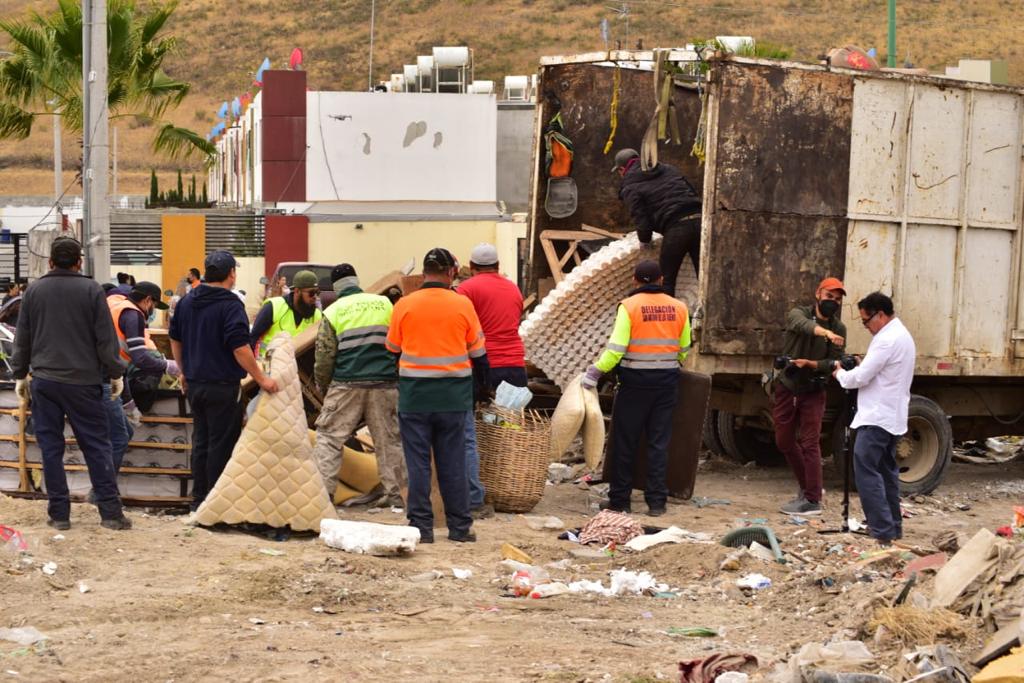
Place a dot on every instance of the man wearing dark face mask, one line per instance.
(814, 337)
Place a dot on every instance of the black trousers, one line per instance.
(680, 240)
(638, 410)
(83, 406)
(445, 435)
(217, 422)
(514, 376)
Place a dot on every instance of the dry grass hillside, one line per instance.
(223, 43)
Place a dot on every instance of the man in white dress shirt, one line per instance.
(883, 379)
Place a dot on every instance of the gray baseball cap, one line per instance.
(623, 156)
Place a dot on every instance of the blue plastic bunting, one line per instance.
(223, 111)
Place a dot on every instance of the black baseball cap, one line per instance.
(143, 289)
(440, 257)
(342, 270)
(218, 265)
(647, 271)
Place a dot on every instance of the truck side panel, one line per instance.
(775, 208)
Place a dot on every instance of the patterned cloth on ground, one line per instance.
(610, 527)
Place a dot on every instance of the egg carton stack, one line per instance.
(568, 329)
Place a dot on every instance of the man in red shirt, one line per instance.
(499, 305)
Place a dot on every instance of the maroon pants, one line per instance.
(797, 420)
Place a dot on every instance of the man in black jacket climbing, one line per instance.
(661, 200)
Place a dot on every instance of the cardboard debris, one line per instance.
(1008, 669)
(974, 559)
(1000, 643)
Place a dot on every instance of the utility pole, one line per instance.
(58, 167)
(373, 17)
(113, 157)
(96, 149)
(892, 34)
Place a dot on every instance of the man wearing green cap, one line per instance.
(291, 313)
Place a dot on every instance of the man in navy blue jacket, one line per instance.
(210, 340)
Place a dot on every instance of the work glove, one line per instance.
(172, 369)
(133, 414)
(116, 387)
(591, 377)
(21, 388)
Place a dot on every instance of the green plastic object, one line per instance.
(743, 537)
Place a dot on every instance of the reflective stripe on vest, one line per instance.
(361, 336)
(284, 321)
(443, 338)
(118, 304)
(656, 322)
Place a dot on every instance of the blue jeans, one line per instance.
(82, 404)
(476, 489)
(121, 430)
(442, 433)
(878, 481)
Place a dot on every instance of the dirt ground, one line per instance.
(169, 602)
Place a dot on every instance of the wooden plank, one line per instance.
(22, 461)
(999, 644)
(552, 257)
(972, 560)
(152, 445)
(602, 232)
(159, 420)
(581, 235)
(125, 469)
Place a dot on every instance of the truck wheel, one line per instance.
(746, 441)
(711, 440)
(922, 454)
(925, 451)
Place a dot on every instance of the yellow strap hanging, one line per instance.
(614, 115)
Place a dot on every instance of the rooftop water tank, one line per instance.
(481, 88)
(451, 57)
(425, 65)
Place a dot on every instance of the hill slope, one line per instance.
(222, 45)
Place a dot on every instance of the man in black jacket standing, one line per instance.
(210, 340)
(66, 338)
(661, 200)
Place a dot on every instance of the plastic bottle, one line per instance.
(522, 582)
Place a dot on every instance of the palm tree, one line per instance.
(43, 74)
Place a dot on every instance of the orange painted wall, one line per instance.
(184, 246)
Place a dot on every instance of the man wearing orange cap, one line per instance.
(815, 338)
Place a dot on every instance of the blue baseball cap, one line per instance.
(218, 265)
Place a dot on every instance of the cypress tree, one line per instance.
(154, 187)
(206, 202)
(181, 187)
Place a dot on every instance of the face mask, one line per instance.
(151, 318)
(828, 307)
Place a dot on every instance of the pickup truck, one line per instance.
(903, 183)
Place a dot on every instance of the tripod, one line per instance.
(849, 410)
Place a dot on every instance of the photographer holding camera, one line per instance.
(814, 342)
(883, 401)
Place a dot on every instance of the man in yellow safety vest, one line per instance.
(291, 313)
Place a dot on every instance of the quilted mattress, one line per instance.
(271, 477)
(567, 331)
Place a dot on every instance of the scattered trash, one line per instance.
(522, 583)
(610, 527)
(12, 539)
(732, 677)
(855, 524)
(1008, 669)
(58, 537)
(702, 502)
(797, 521)
(256, 620)
(912, 625)
(843, 654)
(761, 552)
(754, 581)
(510, 396)
(590, 555)
(432, 575)
(559, 473)
(544, 523)
(623, 581)
(50, 568)
(369, 538)
(25, 636)
(510, 552)
(974, 559)
(949, 541)
(318, 609)
(547, 590)
(461, 574)
(692, 632)
(744, 536)
(673, 534)
(272, 552)
(733, 560)
(708, 669)
(83, 587)
(928, 562)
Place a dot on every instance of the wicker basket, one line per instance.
(513, 447)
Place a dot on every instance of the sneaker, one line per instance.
(466, 537)
(117, 523)
(801, 508)
(656, 511)
(59, 524)
(625, 509)
(484, 511)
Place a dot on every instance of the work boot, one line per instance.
(465, 537)
(59, 524)
(801, 508)
(607, 505)
(485, 511)
(656, 511)
(117, 523)
(426, 536)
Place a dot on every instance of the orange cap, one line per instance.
(832, 284)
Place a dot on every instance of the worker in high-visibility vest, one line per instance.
(442, 364)
(359, 379)
(650, 339)
(291, 313)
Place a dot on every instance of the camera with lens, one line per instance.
(781, 362)
(846, 362)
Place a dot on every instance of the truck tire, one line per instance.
(745, 443)
(711, 440)
(922, 454)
